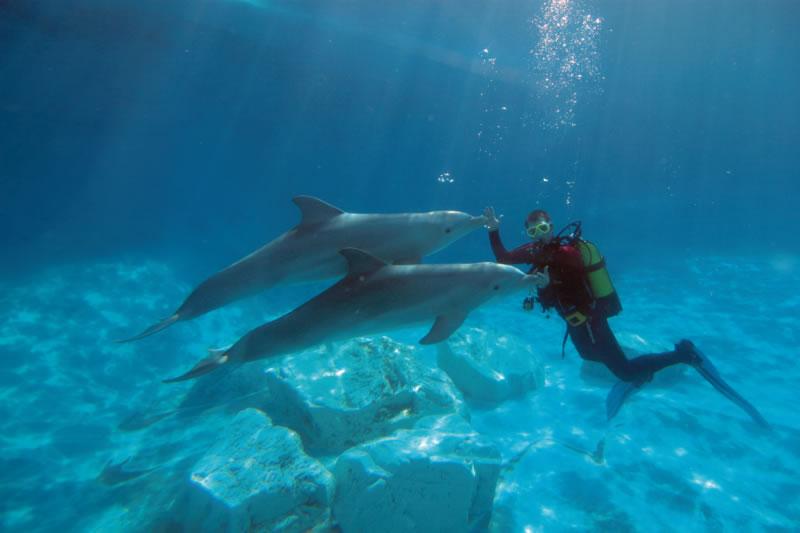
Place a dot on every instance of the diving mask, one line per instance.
(542, 227)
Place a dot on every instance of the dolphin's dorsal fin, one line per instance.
(444, 326)
(313, 210)
(360, 262)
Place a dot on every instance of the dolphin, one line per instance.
(372, 298)
(309, 252)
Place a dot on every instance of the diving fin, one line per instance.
(155, 328)
(619, 393)
(216, 359)
(706, 369)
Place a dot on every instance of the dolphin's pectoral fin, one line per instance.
(314, 210)
(155, 328)
(138, 421)
(408, 261)
(444, 326)
(209, 364)
(360, 262)
(218, 352)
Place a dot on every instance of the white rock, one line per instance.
(339, 396)
(440, 476)
(490, 367)
(256, 478)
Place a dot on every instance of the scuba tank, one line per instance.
(603, 291)
(606, 299)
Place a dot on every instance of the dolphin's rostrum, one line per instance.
(309, 252)
(375, 297)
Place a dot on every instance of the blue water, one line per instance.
(145, 145)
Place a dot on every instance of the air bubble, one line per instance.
(445, 177)
(565, 57)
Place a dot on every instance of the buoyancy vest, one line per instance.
(595, 294)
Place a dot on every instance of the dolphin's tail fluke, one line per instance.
(216, 359)
(155, 328)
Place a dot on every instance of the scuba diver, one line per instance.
(581, 292)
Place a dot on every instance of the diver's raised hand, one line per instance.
(542, 277)
(492, 220)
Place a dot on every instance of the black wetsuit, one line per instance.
(568, 292)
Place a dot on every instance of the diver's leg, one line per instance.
(649, 364)
(596, 342)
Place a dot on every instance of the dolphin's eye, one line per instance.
(496, 287)
(447, 230)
